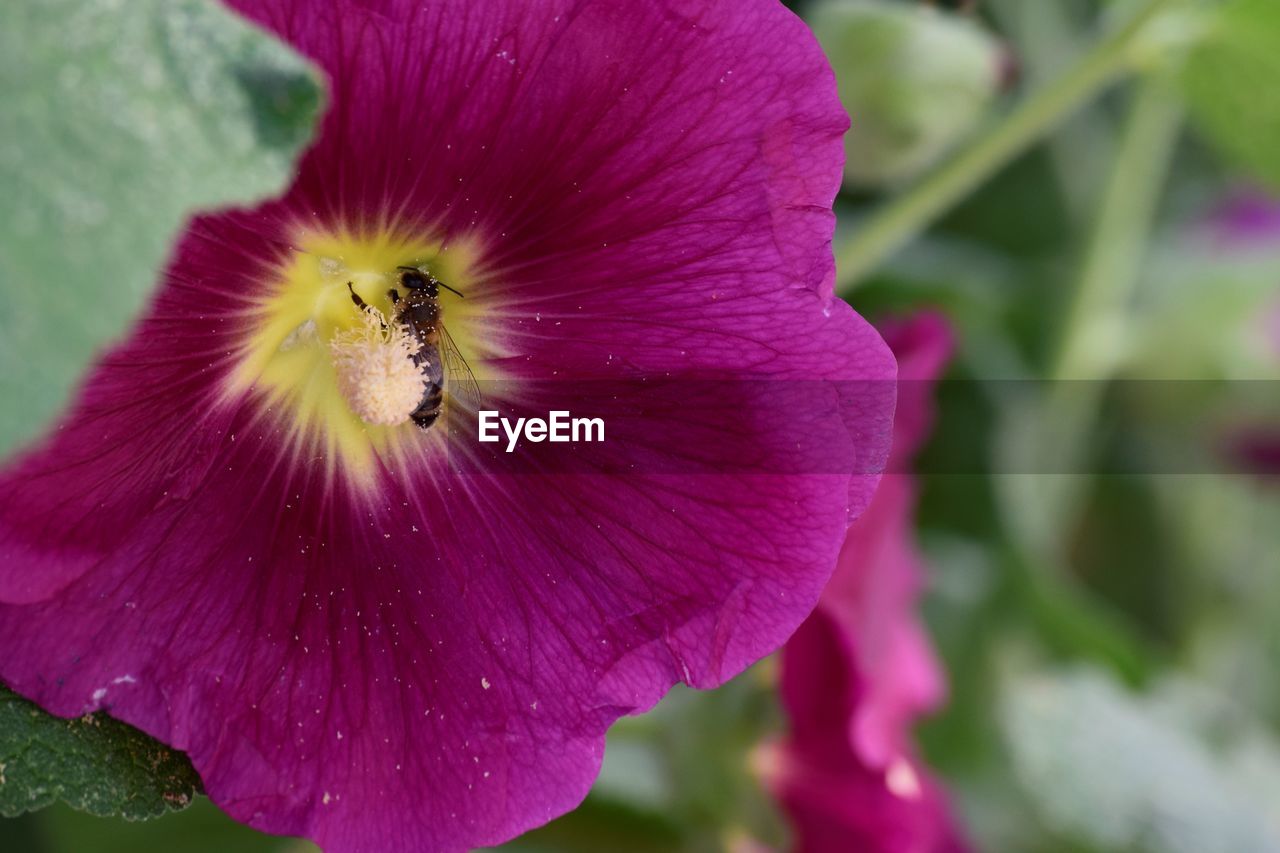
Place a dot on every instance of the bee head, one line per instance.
(413, 278)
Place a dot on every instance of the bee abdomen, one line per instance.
(428, 410)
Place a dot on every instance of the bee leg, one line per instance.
(364, 306)
(355, 297)
(393, 295)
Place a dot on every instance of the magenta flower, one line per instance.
(240, 540)
(1246, 217)
(860, 670)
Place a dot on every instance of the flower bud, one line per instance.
(915, 80)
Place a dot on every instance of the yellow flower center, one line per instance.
(345, 376)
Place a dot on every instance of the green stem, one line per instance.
(912, 212)
(1093, 332)
(1114, 256)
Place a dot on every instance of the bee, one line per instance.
(437, 357)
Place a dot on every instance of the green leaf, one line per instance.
(93, 763)
(915, 81)
(121, 118)
(1173, 771)
(1232, 83)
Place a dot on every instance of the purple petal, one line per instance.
(836, 807)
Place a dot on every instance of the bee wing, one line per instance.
(460, 381)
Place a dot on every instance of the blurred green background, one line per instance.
(1066, 178)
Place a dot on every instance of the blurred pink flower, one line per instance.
(1246, 217)
(860, 670)
(1255, 450)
